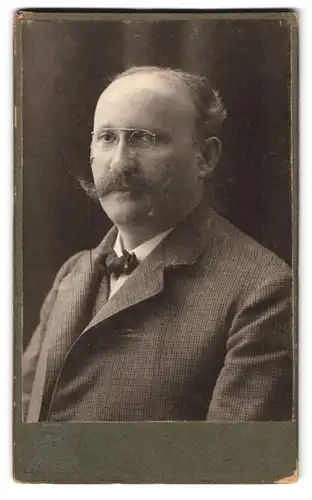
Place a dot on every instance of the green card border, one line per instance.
(148, 452)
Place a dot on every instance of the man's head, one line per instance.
(154, 144)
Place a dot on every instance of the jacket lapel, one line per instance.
(69, 316)
(145, 282)
(180, 248)
(77, 293)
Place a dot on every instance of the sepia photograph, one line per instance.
(158, 231)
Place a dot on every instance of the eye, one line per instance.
(107, 137)
(142, 139)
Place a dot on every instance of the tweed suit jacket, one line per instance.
(201, 330)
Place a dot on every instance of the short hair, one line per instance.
(208, 106)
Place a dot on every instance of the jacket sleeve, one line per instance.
(31, 354)
(256, 381)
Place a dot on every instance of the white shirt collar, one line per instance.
(143, 250)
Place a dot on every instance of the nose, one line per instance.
(122, 158)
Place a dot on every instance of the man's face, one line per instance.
(141, 177)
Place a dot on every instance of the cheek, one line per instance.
(178, 167)
(99, 168)
(160, 174)
(170, 179)
(160, 165)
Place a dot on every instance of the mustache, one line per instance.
(122, 181)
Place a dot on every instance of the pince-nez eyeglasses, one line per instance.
(109, 138)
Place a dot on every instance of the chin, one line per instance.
(123, 208)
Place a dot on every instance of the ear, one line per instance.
(207, 161)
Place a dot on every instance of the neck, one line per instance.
(133, 236)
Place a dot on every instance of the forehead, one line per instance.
(146, 101)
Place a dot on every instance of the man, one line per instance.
(176, 315)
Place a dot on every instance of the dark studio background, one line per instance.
(65, 68)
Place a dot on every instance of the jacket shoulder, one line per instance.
(238, 254)
(68, 266)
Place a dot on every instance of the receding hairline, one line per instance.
(203, 97)
(167, 74)
(160, 75)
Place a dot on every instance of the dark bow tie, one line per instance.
(120, 265)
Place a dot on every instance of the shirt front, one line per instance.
(141, 252)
